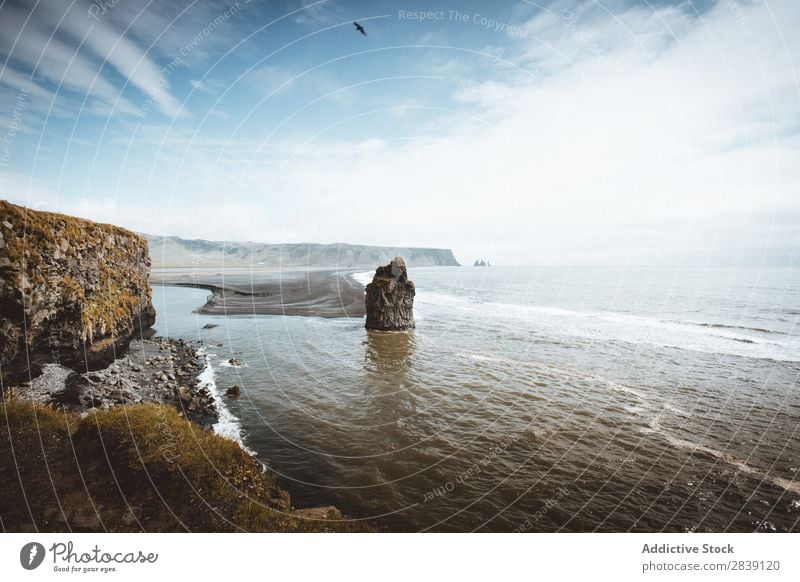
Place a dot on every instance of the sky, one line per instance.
(522, 132)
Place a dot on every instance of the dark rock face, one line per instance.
(72, 292)
(390, 298)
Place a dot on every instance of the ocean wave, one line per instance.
(513, 309)
(227, 364)
(675, 409)
(617, 387)
(493, 359)
(712, 338)
(730, 326)
(507, 362)
(744, 340)
(645, 401)
(228, 425)
(786, 484)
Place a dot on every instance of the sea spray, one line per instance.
(228, 425)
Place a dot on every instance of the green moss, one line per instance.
(46, 246)
(43, 225)
(70, 289)
(28, 422)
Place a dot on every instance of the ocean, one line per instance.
(529, 399)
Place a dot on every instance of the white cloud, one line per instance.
(68, 49)
(317, 13)
(662, 123)
(22, 82)
(110, 45)
(642, 136)
(654, 128)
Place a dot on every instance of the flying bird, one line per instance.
(360, 28)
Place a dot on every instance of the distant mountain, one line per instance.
(173, 251)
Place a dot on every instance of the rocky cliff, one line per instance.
(172, 251)
(390, 298)
(71, 291)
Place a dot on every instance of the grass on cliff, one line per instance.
(118, 291)
(137, 468)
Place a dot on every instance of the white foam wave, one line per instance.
(676, 410)
(638, 329)
(228, 425)
(617, 387)
(492, 359)
(787, 484)
(227, 364)
(485, 358)
(654, 425)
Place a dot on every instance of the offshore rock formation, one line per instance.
(72, 292)
(390, 298)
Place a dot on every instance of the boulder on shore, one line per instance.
(390, 298)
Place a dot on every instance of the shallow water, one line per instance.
(532, 399)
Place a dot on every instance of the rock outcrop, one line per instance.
(72, 292)
(390, 298)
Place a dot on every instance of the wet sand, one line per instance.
(310, 292)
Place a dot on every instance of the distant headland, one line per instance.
(173, 251)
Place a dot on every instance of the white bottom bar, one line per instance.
(354, 557)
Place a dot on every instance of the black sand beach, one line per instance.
(311, 292)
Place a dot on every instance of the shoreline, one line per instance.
(157, 370)
(324, 293)
(166, 372)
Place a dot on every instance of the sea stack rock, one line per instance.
(390, 298)
(72, 292)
